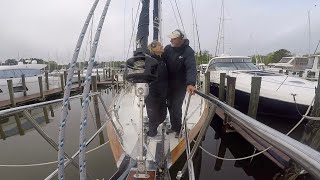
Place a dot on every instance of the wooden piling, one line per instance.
(222, 86)
(207, 82)
(104, 74)
(109, 72)
(61, 82)
(112, 76)
(79, 79)
(13, 104)
(65, 77)
(46, 74)
(46, 115)
(96, 108)
(2, 133)
(23, 80)
(221, 153)
(41, 87)
(254, 96)
(51, 111)
(231, 90)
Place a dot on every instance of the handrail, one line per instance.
(18, 109)
(307, 157)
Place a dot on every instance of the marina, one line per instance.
(159, 113)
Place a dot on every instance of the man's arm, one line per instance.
(191, 69)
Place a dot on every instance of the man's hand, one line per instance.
(191, 89)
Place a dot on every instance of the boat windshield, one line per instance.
(232, 64)
(16, 73)
(285, 59)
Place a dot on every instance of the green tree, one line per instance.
(203, 57)
(278, 55)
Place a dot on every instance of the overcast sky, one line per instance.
(49, 29)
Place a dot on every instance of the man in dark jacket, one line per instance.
(182, 73)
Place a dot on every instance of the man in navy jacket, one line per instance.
(182, 74)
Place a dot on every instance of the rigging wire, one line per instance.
(174, 13)
(197, 29)
(179, 15)
(219, 33)
(134, 24)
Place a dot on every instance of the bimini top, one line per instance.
(16, 71)
(230, 63)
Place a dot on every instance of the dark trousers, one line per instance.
(175, 100)
(156, 110)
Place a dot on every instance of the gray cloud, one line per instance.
(49, 29)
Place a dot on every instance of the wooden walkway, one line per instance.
(48, 93)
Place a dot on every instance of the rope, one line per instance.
(64, 111)
(85, 95)
(47, 163)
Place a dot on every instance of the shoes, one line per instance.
(177, 133)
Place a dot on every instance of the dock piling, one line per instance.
(96, 108)
(222, 86)
(23, 80)
(2, 133)
(254, 96)
(79, 79)
(61, 82)
(13, 104)
(207, 82)
(65, 77)
(47, 80)
(41, 87)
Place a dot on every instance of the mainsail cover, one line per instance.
(143, 26)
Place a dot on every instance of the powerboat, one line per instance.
(277, 92)
(312, 70)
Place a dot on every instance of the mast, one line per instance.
(143, 27)
(156, 21)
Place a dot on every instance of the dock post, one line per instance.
(109, 72)
(96, 108)
(65, 77)
(104, 74)
(112, 76)
(2, 133)
(47, 80)
(254, 96)
(79, 79)
(23, 79)
(231, 90)
(41, 88)
(51, 111)
(13, 104)
(46, 115)
(221, 153)
(222, 86)
(207, 82)
(61, 82)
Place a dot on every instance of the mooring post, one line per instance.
(46, 115)
(79, 79)
(231, 91)
(112, 76)
(2, 133)
(104, 74)
(13, 104)
(51, 110)
(96, 108)
(109, 72)
(65, 77)
(207, 82)
(221, 153)
(222, 86)
(23, 80)
(61, 82)
(46, 74)
(41, 88)
(254, 96)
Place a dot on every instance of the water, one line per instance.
(32, 148)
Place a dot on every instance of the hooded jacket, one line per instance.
(181, 65)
